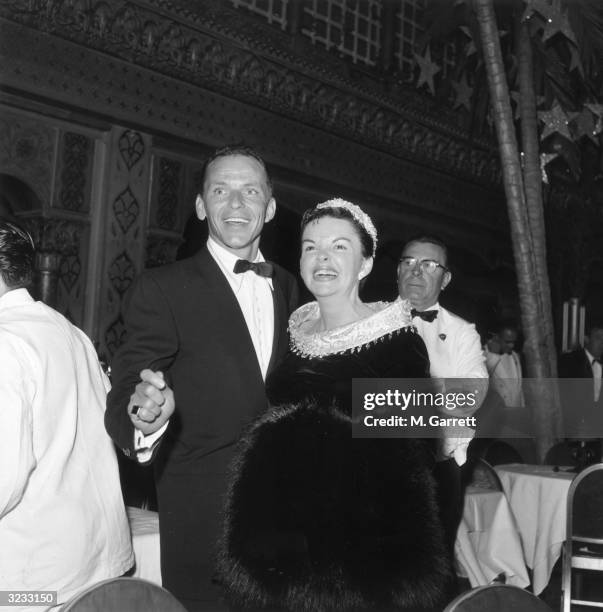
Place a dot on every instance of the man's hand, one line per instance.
(152, 403)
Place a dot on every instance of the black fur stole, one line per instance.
(319, 521)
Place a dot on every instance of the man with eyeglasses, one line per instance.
(455, 351)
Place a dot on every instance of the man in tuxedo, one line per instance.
(202, 335)
(582, 401)
(454, 350)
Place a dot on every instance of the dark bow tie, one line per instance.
(426, 315)
(595, 360)
(261, 268)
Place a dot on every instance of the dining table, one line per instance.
(487, 543)
(144, 527)
(537, 495)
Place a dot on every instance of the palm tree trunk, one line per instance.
(533, 187)
(523, 248)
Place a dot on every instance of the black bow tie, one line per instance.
(261, 268)
(426, 315)
(595, 360)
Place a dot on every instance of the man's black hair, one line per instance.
(238, 149)
(17, 253)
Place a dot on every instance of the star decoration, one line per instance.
(463, 92)
(543, 8)
(595, 109)
(556, 20)
(585, 125)
(545, 158)
(575, 62)
(558, 24)
(470, 47)
(428, 70)
(555, 121)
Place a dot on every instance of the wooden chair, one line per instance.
(124, 595)
(583, 547)
(497, 598)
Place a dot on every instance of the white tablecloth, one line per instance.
(538, 498)
(144, 526)
(487, 542)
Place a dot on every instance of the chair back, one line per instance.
(484, 476)
(499, 453)
(124, 595)
(560, 454)
(584, 506)
(497, 598)
(583, 546)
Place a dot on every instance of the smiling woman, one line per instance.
(317, 520)
(334, 260)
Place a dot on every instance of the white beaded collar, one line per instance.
(387, 318)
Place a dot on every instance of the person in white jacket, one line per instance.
(63, 525)
(455, 352)
(504, 365)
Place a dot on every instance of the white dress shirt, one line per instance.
(63, 525)
(455, 351)
(596, 368)
(254, 295)
(506, 376)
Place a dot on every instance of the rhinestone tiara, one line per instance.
(357, 213)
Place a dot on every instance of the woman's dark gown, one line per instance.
(317, 520)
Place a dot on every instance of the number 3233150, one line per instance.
(32, 598)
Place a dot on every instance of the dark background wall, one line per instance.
(108, 109)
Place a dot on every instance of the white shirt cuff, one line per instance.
(144, 445)
(455, 448)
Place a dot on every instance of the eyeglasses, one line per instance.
(425, 265)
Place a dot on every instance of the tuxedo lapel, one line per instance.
(280, 339)
(586, 365)
(216, 288)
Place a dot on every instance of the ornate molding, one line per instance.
(218, 49)
(75, 173)
(126, 209)
(161, 251)
(55, 235)
(26, 152)
(166, 214)
(121, 273)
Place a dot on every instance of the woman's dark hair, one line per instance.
(16, 255)
(313, 214)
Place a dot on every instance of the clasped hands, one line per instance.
(152, 403)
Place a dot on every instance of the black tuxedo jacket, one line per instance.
(575, 365)
(582, 416)
(184, 320)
